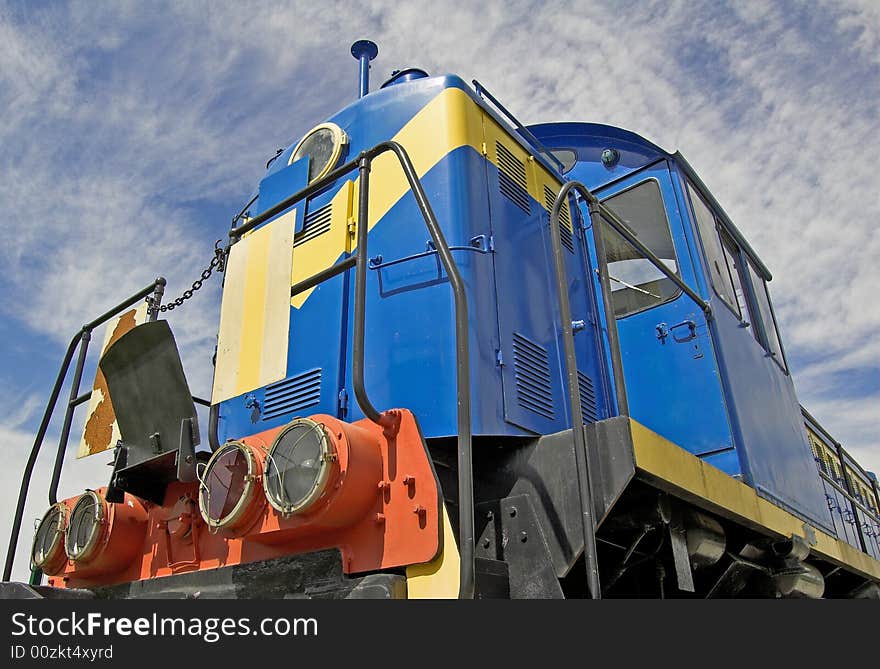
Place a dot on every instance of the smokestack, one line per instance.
(365, 51)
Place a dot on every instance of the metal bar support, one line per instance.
(154, 289)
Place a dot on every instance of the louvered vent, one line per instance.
(532, 369)
(293, 394)
(512, 178)
(564, 219)
(317, 223)
(588, 398)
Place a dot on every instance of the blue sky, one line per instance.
(133, 131)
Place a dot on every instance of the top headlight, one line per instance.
(84, 527)
(298, 466)
(323, 145)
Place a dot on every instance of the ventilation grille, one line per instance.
(316, 223)
(293, 394)
(564, 218)
(512, 178)
(532, 370)
(588, 398)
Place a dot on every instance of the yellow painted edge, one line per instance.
(438, 579)
(447, 122)
(686, 473)
(231, 320)
(320, 252)
(253, 318)
(276, 328)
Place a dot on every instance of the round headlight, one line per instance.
(227, 492)
(47, 552)
(323, 145)
(84, 527)
(298, 466)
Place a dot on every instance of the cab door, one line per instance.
(672, 378)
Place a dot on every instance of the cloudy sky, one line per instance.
(131, 133)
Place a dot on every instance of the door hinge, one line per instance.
(484, 150)
(342, 402)
(499, 357)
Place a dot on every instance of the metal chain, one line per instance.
(217, 262)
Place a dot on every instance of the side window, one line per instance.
(636, 284)
(731, 255)
(721, 276)
(771, 331)
(737, 277)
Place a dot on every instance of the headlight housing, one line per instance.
(228, 494)
(298, 467)
(47, 552)
(323, 144)
(85, 526)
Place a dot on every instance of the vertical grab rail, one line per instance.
(582, 467)
(359, 261)
(154, 293)
(598, 214)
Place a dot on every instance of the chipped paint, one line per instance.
(101, 432)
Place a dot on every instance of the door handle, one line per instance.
(663, 331)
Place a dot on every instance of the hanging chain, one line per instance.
(217, 263)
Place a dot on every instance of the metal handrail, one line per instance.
(360, 261)
(585, 484)
(864, 508)
(526, 134)
(812, 419)
(153, 293)
(598, 212)
(846, 489)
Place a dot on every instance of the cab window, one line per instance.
(732, 257)
(722, 278)
(771, 331)
(636, 284)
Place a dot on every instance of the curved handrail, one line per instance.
(153, 293)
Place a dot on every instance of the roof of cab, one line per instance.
(589, 140)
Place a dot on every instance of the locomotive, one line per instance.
(461, 357)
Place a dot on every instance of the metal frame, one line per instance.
(524, 132)
(152, 293)
(360, 262)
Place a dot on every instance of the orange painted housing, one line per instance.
(381, 507)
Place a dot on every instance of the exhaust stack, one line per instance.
(365, 51)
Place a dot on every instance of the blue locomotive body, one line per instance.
(718, 386)
(498, 231)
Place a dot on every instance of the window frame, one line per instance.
(691, 190)
(779, 356)
(746, 267)
(678, 292)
